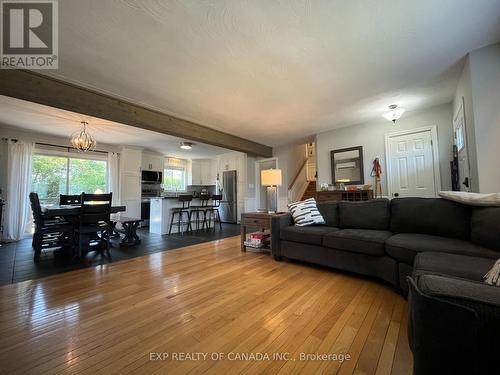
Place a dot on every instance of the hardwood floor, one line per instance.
(16, 258)
(209, 299)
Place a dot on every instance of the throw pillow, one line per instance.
(305, 213)
(473, 199)
(492, 276)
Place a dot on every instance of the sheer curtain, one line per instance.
(17, 207)
(113, 179)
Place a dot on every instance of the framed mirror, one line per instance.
(347, 166)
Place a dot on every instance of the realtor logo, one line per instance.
(29, 34)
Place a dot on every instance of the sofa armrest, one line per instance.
(278, 222)
(454, 325)
(459, 289)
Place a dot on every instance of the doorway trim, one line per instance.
(257, 179)
(435, 155)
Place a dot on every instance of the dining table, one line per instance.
(53, 210)
(129, 226)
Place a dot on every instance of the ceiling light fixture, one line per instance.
(83, 141)
(187, 145)
(394, 113)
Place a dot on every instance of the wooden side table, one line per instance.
(258, 220)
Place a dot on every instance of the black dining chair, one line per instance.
(69, 199)
(94, 223)
(182, 211)
(212, 212)
(49, 232)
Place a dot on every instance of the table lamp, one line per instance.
(272, 179)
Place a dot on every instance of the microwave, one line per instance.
(152, 177)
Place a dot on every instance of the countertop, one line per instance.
(176, 198)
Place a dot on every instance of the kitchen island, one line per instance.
(161, 214)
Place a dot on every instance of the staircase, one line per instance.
(310, 191)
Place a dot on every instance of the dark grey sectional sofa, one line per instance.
(437, 250)
(381, 238)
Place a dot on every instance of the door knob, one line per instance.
(466, 182)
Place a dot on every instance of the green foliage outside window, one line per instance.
(174, 179)
(55, 175)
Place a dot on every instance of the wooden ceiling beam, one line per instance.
(37, 88)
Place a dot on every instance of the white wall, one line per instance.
(370, 135)
(290, 158)
(485, 77)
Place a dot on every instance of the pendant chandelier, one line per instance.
(83, 141)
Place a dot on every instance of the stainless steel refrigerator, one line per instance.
(228, 205)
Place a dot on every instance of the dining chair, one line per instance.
(69, 199)
(49, 232)
(94, 224)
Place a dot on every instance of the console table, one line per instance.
(344, 195)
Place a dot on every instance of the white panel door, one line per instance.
(411, 165)
(463, 154)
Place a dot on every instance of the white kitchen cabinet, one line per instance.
(130, 160)
(202, 172)
(206, 173)
(130, 181)
(196, 172)
(152, 162)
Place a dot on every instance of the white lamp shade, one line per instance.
(394, 114)
(270, 177)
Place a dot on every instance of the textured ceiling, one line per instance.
(57, 122)
(273, 71)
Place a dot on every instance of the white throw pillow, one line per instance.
(305, 213)
(493, 275)
(472, 199)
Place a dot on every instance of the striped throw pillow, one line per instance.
(305, 213)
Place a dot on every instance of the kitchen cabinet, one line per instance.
(152, 162)
(130, 181)
(202, 172)
(130, 161)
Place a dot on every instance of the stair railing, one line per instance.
(299, 184)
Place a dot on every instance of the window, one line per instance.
(53, 175)
(174, 178)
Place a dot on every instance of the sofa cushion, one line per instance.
(405, 246)
(330, 212)
(485, 227)
(445, 264)
(365, 241)
(312, 234)
(372, 214)
(434, 216)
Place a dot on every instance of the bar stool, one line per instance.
(185, 209)
(212, 211)
(202, 208)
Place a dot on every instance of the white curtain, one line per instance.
(113, 176)
(17, 206)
